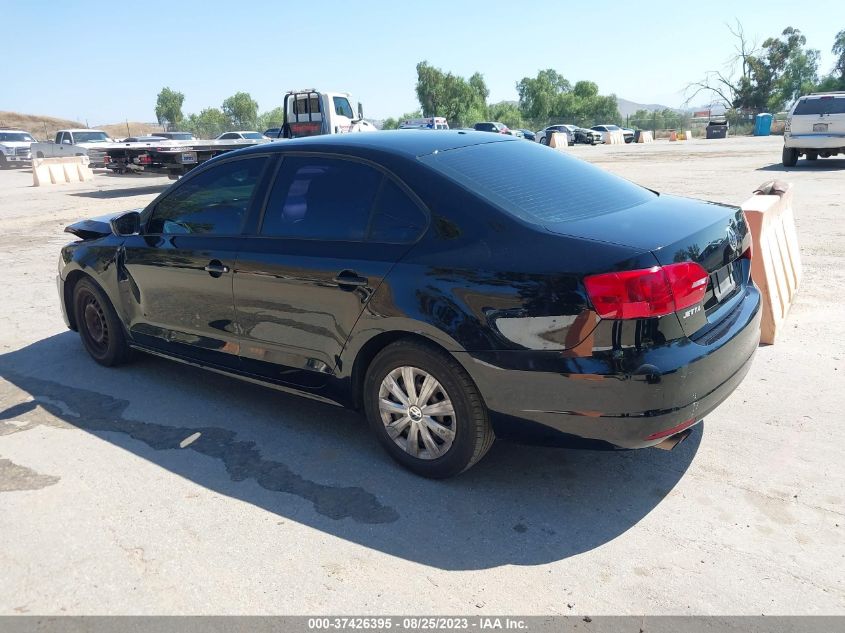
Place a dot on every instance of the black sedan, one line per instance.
(456, 287)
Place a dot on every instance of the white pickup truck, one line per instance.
(14, 147)
(75, 143)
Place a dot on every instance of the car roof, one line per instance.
(406, 143)
(81, 129)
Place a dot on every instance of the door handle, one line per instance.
(215, 268)
(350, 279)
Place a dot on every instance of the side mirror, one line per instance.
(360, 111)
(126, 224)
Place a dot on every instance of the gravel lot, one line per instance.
(295, 509)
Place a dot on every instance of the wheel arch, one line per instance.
(68, 287)
(370, 350)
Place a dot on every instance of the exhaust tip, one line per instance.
(673, 440)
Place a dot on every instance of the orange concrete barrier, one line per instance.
(559, 140)
(673, 135)
(644, 136)
(54, 171)
(776, 260)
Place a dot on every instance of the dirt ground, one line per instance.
(294, 509)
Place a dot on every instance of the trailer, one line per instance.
(175, 158)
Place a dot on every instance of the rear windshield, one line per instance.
(535, 183)
(822, 105)
(90, 137)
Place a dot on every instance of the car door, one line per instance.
(331, 230)
(177, 275)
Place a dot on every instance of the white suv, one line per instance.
(815, 127)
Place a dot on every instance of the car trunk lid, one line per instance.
(676, 230)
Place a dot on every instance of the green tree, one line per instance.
(784, 71)
(839, 50)
(836, 79)
(169, 107)
(389, 124)
(538, 95)
(506, 112)
(209, 123)
(241, 110)
(440, 93)
(272, 118)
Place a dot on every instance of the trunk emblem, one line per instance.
(733, 240)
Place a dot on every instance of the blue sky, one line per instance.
(106, 61)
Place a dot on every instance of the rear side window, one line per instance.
(537, 184)
(214, 202)
(321, 198)
(396, 218)
(822, 105)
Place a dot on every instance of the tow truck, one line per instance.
(307, 113)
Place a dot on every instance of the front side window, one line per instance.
(213, 202)
(342, 107)
(321, 198)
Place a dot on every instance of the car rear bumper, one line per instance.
(815, 141)
(622, 398)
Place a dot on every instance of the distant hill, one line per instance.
(45, 127)
(627, 108)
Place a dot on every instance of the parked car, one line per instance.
(177, 136)
(273, 132)
(527, 134)
(144, 139)
(374, 278)
(492, 126)
(425, 123)
(815, 127)
(576, 134)
(15, 148)
(628, 134)
(239, 136)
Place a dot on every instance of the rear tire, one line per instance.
(99, 326)
(437, 428)
(789, 157)
(544, 141)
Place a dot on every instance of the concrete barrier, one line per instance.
(613, 138)
(776, 260)
(559, 140)
(644, 136)
(54, 171)
(688, 135)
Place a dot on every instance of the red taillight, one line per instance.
(650, 292)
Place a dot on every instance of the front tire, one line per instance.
(789, 157)
(425, 410)
(99, 326)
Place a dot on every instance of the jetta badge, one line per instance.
(733, 240)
